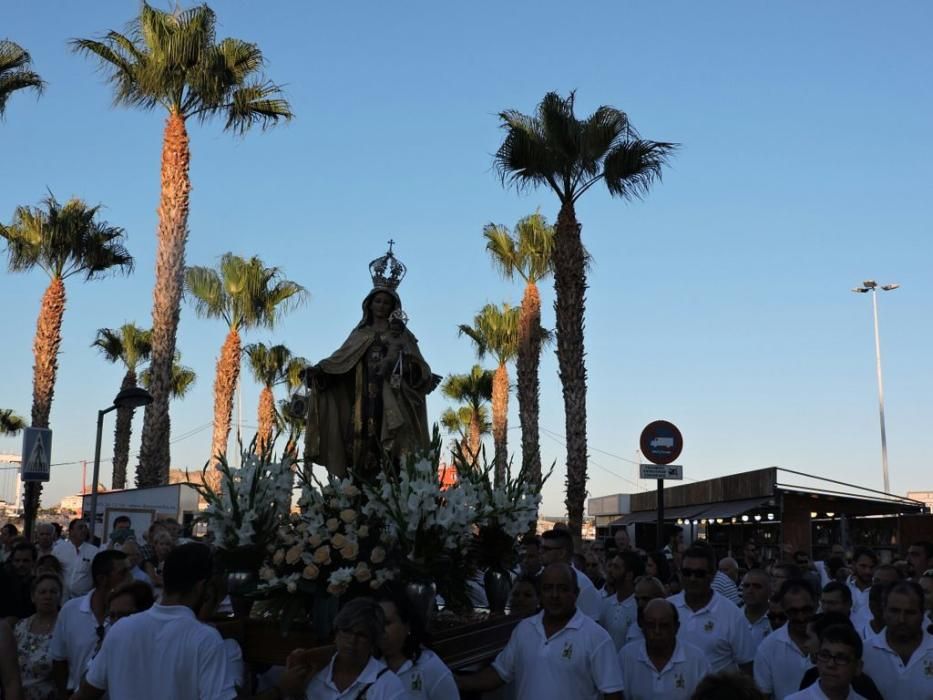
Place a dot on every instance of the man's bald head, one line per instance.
(730, 567)
(661, 610)
(560, 572)
(659, 623)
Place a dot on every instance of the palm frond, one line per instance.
(10, 422)
(258, 103)
(183, 378)
(206, 288)
(633, 166)
(16, 72)
(494, 331)
(269, 364)
(110, 344)
(473, 388)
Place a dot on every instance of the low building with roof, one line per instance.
(781, 509)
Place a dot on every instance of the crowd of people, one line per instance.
(684, 623)
(131, 620)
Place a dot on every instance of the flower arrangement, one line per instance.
(330, 547)
(245, 511)
(428, 527)
(503, 512)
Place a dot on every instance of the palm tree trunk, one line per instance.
(228, 371)
(266, 420)
(526, 364)
(569, 306)
(500, 421)
(154, 454)
(45, 353)
(121, 436)
(475, 435)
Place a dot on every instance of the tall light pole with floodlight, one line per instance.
(873, 287)
(134, 397)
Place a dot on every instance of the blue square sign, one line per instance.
(37, 454)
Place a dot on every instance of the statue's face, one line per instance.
(381, 306)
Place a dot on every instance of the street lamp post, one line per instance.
(134, 397)
(873, 287)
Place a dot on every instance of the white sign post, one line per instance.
(661, 471)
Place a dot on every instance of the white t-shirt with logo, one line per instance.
(894, 678)
(720, 630)
(428, 678)
(578, 662)
(676, 681)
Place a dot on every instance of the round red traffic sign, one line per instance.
(661, 442)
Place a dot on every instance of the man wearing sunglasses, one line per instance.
(782, 658)
(709, 620)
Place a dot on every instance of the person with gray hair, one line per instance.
(354, 671)
(45, 539)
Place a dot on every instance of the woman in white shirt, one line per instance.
(422, 673)
(353, 672)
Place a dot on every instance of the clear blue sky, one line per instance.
(720, 302)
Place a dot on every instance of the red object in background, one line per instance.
(447, 474)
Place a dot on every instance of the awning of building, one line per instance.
(732, 509)
(670, 514)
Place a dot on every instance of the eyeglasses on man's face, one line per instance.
(827, 657)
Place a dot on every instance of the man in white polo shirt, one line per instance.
(864, 561)
(708, 620)
(619, 609)
(558, 653)
(660, 666)
(899, 659)
(76, 555)
(80, 624)
(782, 658)
(756, 591)
(165, 652)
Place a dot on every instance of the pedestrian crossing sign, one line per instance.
(37, 454)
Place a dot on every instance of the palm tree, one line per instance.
(10, 423)
(172, 60)
(555, 149)
(288, 419)
(131, 346)
(527, 254)
(473, 389)
(457, 421)
(245, 294)
(63, 240)
(16, 72)
(269, 366)
(495, 331)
